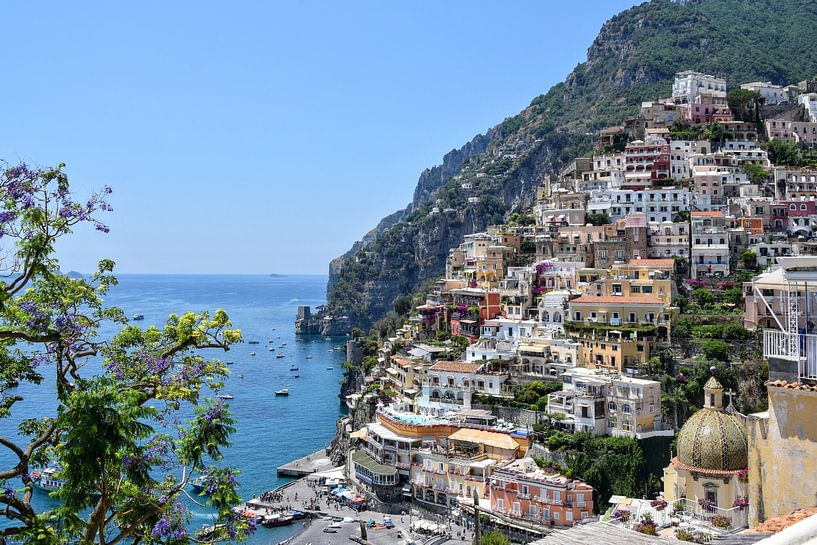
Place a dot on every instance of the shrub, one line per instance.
(721, 522)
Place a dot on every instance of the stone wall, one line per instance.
(521, 417)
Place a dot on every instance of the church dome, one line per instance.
(712, 439)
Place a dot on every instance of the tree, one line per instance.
(749, 259)
(756, 173)
(527, 246)
(597, 219)
(745, 104)
(783, 152)
(495, 538)
(122, 453)
(402, 305)
(703, 297)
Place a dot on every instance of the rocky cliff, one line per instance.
(634, 58)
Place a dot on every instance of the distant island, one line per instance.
(74, 274)
(276, 275)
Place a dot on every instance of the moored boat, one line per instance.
(271, 521)
(138, 316)
(252, 353)
(226, 396)
(282, 392)
(47, 480)
(279, 356)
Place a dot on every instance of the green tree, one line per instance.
(783, 152)
(402, 305)
(597, 219)
(527, 246)
(703, 297)
(749, 259)
(745, 104)
(123, 468)
(495, 538)
(715, 349)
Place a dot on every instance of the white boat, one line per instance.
(279, 356)
(226, 396)
(46, 480)
(282, 392)
(138, 316)
(252, 353)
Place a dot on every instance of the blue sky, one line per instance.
(256, 137)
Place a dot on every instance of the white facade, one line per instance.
(659, 204)
(809, 100)
(667, 239)
(773, 94)
(689, 85)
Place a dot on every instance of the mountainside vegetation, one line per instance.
(634, 58)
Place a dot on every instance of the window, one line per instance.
(532, 510)
(578, 315)
(517, 508)
(555, 515)
(792, 207)
(803, 207)
(569, 516)
(525, 489)
(631, 318)
(500, 504)
(557, 495)
(627, 409)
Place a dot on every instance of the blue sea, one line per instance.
(271, 430)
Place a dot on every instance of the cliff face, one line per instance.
(634, 58)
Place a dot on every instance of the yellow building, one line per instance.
(617, 332)
(783, 451)
(712, 455)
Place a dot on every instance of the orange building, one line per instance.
(521, 489)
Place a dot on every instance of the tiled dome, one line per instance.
(713, 439)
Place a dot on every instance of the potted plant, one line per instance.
(719, 521)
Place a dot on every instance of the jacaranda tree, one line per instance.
(119, 437)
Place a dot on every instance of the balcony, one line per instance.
(801, 348)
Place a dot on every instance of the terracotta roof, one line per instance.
(777, 524)
(613, 299)
(792, 385)
(716, 213)
(701, 471)
(651, 263)
(456, 366)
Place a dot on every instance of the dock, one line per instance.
(317, 461)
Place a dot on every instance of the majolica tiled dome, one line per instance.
(712, 439)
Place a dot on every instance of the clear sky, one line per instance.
(257, 137)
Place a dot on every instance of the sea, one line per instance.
(270, 430)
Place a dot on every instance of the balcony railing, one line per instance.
(803, 350)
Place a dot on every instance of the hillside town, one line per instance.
(656, 301)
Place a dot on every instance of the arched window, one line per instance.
(627, 409)
(545, 316)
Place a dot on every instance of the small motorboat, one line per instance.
(282, 392)
(309, 357)
(297, 515)
(293, 368)
(329, 368)
(253, 342)
(199, 484)
(279, 356)
(138, 316)
(231, 362)
(252, 353)
(271, 349)
(297, 376)
(226, 396)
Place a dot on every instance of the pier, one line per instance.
(317, 461)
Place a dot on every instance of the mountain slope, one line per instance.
(634, 58)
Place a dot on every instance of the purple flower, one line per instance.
(8, 493)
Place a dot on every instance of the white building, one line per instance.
(667, 239)
(449, 385)
(710, 245)
(809, 100)
(773, 94)
(609, 404)
(552, 309)
(657, 204)
(690, 85)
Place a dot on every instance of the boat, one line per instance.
(282, 392)
(329, 368)
(271, 349)
(293, 368)
(309, 357)
(252, 353)
(138, 316)
(47, 480)
(297, 515)
(279, 356)
(230, 362)
(253, 342)
(226, 396)
(271, 521)
(207, 533)
(199, 483)
(297, 376)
